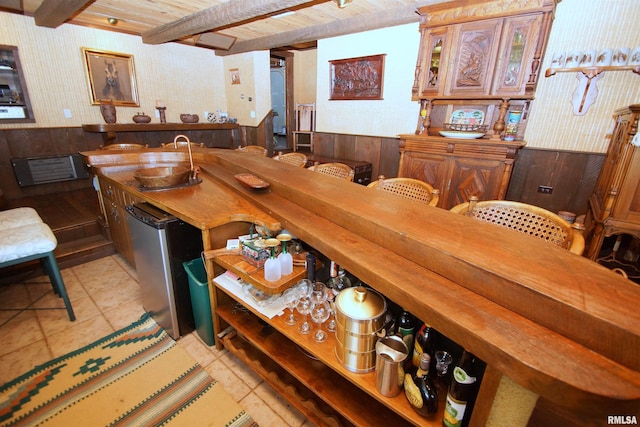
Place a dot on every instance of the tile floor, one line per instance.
(106, 297)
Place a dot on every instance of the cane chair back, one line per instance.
(339, 170)
(256, 149)
(182, 144)
(295, 159)
(524, 218)
(124, 147)
(408, 188)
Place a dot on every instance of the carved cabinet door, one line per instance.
(518, 45)
(475, 49)
(434, 169)
(432, 67)
(474, 177)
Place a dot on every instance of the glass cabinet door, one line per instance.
(15, 106)
(518, 47)
(435, 62)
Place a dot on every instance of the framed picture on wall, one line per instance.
(111, 76)
(234, 73)
(357, 78)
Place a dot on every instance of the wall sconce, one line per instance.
(342, 3)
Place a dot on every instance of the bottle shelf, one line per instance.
(316, 367)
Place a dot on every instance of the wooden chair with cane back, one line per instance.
(524, 218)
(295, 159)
(408, 188)
(256, 149)
(339, 170)
(124, 147)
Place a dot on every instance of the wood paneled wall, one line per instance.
(572, 175)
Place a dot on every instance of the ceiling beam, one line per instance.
(364, 22)
(53, 13)
(11, 5)
(215, 17)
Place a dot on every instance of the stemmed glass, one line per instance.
(331, 324)
(290, 297)
(320, 314)
(318, 292)
(304, 308)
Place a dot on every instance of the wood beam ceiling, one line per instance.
(364, 22)
(215, 17)
(53, 13)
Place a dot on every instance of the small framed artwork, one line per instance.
(111, 77)
(357, 78)
(234, 73)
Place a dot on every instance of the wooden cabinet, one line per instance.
(480, 51)
(113, 201)
(614, 205)
(308, 374)
(459, 168)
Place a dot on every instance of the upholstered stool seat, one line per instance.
(18, 217)
(24, 237)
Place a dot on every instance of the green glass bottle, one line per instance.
(462, 391)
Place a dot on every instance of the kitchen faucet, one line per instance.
(194, 173)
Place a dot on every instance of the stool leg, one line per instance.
(51, 266)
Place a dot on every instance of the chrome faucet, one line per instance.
(194, 173)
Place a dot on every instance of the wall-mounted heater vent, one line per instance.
(41, 170)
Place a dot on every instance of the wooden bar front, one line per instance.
(557, 324)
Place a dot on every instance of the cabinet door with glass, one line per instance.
(432, 64)
(517, 48)
(475, 46)
(15, 106)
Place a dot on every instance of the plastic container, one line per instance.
(200, 302)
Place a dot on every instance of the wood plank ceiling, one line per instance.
(228, 26)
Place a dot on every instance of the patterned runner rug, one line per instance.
(137, 376)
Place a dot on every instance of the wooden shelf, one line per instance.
(148, 127)
(336, 384)
(592, 71)
(255, 275)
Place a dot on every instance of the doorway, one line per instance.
(282, 99)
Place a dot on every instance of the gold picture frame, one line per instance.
(111, 77)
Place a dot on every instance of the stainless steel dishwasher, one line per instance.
(161, 243)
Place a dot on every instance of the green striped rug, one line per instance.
(137, 376)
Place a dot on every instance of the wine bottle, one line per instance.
(338, 279)
(424, 342)
(406, 327)
(310, 264)
(420, 391)
(462, 391)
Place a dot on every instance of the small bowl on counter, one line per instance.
(189, 118)
(162, 176)
(141, 118)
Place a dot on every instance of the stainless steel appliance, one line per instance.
(161, 243)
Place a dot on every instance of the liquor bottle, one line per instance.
(338, 279)
(310, 264)
(420, 391)
(424, 342)
(406, 328)
(462, 391)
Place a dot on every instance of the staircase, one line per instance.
(76, 221)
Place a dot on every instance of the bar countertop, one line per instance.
(556, 323)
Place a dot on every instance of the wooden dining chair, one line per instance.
(524, 218)
(256, 149)
(295, 159)
(124, 147)
(408, 188)
(339, 170)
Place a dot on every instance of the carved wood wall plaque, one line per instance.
(357, 78)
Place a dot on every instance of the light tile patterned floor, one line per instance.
(106, 297)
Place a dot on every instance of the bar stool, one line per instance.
(24, 237)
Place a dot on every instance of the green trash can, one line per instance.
(200, 302)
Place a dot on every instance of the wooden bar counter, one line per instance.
(548, 323)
